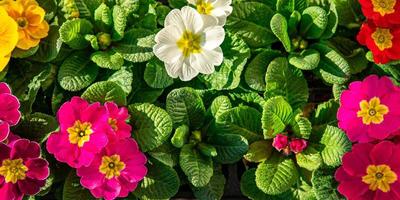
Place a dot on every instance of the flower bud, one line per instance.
(298, 145)
(280, 142)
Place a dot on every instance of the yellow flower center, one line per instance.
(372, 111)
(22, 22)
(379, 177)
(384, 7)
(189, 43)
(13, 170)
(80, 133)
(203, 7)
(111, 166)
(113, 123)
(383, 38)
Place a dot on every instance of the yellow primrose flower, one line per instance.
(8, 37)
(31, 23)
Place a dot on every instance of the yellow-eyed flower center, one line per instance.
(80, 133)
(189, 43)
(22, 22)
(384, 7)
(113, 123)
(379, 177)
(13, 170)
(111, 166)
(382, 38)
(203, 7)
(372, 111)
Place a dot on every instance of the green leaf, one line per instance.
(137, 45)
(49, 47)
(285, 80)
(256, 69)
(161, 182)
(336, 144)
(123, 78)
(105, 91)
(36, 126)
(285, 6)
(306, 60)
(120, 19)
(162, 11)
(103, 18)
(197, 167)
(185, 106)
(333, 22)
(313, 22)
(129, 5)
(325, 185)
(214, 190)
(276, 115)
(72, 32)
(181, 136)
(19, 53)
(152, 125)
(301, 126)
(250, 21)
(349, 11)
(249, 188)
(259, 151)
(333, 68)
(73, 190)
(87, 7)
(177, 3)
(220, 105)
(92, 39)
(230, 147)
(166, 154)
(309, 159)
(227, 76)
(108, 59)
(77, 72)
(325, 114)
(279, 27)
(242, 120)
(156, 75)
(337, 90)
(276, 176)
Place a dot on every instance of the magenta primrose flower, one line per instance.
(370, 109)
(115, 171)
(22, 171)
(298, 145)
(117, 120)
(83, 132)
(280, 142)
(9, 110)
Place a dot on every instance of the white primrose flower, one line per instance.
(189, 45)
(219, 9)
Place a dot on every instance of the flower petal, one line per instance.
(38, 168)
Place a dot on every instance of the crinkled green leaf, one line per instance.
(325, 114)
(250, 20)
(72, 32)
(306, 60)
(73, 190)
(105, 91)
(108, 59)
(152, 125)
(259, 151)
(49, 47)
(137, 45)
(120, 19)
(214, 190)
(309, 159)
(185, 106)
(36, 126)
(314, 21)
(249, 188)
(129, 5)
(19, 53)
(301, 126)
(166, 154)
(77, 72)
(103, 18)
(230, 147)
(277, 114)
(156, 75)
(336, 144)
(227, 76)
(220, 105)
(123, 78)
(197, 167)
(285, 80)
(87, 7)
(333, 22)
(161, 182)
(279, 27)
(325, 185)
(276, 176)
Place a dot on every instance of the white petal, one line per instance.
(200, 63)
(192, 19)
(214, 57)
(167, 53)
(175, 18)
(168, 35)
(221, 3)
(213, 37)
(193, 2)
(174, 69)
(188, 72)
(209, 21)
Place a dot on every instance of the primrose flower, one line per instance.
(280, 142)
(22, 171)
(9, 111)
(370, 172)
(370, 110)
(298, 145)
(189, 45)
(82, 134)
(218, 9)
(115, 171)
(31, 23)
(383, 42)
(382, 12)
(9, 37)
(117, 120)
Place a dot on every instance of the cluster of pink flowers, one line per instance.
(95, 139)
(296, 145)
(369, 113)
(22, 170)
